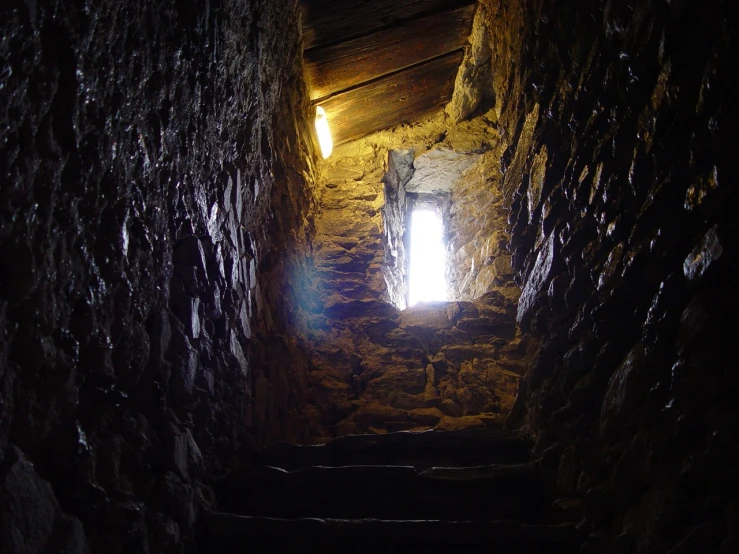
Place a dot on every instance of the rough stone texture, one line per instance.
(152, 162)
(618, 121)
(348, 248)
(372, 367)
(394, 215)
(30, 517)
(170, 294)
(447, 365)
(478, 260)
(473, 87)
(438, 170)
(360, 252)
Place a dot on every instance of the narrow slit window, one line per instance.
(426, 282)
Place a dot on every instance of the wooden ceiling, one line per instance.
(372, 64)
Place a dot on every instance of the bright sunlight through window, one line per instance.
(426, 282)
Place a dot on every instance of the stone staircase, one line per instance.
(431, 492)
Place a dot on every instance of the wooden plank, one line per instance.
(337, 67)
(329, 21)
(399, 97)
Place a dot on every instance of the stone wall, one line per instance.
(154, 175)
(165, 266)
(374, 367)
(618, 121)
(395, 222)
(477, 234)
(348, 250)
(445, 365)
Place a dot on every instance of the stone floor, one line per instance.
(433, 491)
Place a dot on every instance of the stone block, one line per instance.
(705, 254)
(426, 318)
(450, 408)
(346, 428)
(406, 401)
(425, 416)
(473, 392)
(238, 353)
(31, 521)
(397, 379)
(504, 384)
(438, 170)
(458, 353)
(189, 276)
(187, 310)
(189, 252)
(537, 281)
(184, 371)
(399, 169)
(377, 415)
(627, 388)
(430, 393)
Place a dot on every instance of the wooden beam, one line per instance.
(396, 98)
(329, 21)
(337, 67)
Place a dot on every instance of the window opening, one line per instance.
(426, 281)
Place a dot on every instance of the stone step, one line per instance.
(229, 533)
(389, 492)
(424, 449)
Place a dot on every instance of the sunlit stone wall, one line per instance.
(373, 367)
